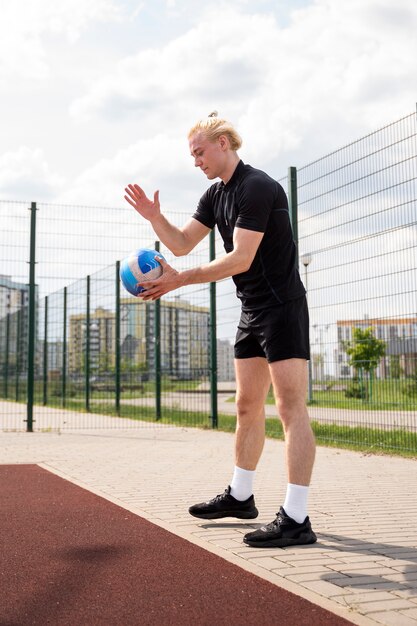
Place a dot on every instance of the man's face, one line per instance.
(209, 156)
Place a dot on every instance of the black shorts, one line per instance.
(277, 333)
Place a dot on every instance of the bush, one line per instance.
(355, 390)
(410, 390)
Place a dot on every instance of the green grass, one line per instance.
(368, 440)
(386, 395)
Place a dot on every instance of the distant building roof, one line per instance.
(6, 281)
(392, 321)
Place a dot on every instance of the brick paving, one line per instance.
(363, 508)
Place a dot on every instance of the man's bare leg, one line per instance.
(252, 385)
(292, 525)
(289, 379)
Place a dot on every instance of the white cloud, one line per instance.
(339, 70)
(297, 89)
(24, 25)
(112, 106)
(25, 173)
(210, 62)
(335, 68)
(148, 162)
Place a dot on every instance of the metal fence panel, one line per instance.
(357, 236)
(76, 381)
(103, 357)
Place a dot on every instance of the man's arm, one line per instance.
(179, 240)
(245, 245)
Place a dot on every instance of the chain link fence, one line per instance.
(102, 357)
(357, 244)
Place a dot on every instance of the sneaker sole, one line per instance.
(221, 514)
(282, 543)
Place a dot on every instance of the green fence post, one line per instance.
(45, 355)
(293, 203)
(370, 385)
(87, 347)
(18, 347)
(213, 340)
(31, 321)
(293, 208)
(158, 353)
(6, 363)
(117, 339)
(361, 384)
(64, 350)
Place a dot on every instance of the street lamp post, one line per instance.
(323, 351)
(306, 260)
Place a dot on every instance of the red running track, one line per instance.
(70, 557)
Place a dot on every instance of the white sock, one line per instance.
(295, 504)
(241, 485)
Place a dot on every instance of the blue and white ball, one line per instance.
(139, 267)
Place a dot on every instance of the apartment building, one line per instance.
(399, 335)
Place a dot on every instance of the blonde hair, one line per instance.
(213, 127)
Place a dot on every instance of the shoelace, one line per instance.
(218, 497)
(276, 522)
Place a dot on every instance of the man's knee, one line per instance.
(248, 409)
(292, 410)
(244, 407)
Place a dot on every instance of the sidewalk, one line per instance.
(363, 509)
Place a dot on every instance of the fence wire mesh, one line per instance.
(357, 246)
(104, 358)
(81, 312)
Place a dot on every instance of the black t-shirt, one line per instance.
(254, 201)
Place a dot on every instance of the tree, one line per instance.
(365, 352)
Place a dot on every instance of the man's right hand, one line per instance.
(141, 203)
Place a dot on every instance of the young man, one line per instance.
(250, 210)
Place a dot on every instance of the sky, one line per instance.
(95, 95)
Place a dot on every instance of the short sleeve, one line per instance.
(205, 210)
(255, 200)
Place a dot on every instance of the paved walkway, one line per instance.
(363, 508)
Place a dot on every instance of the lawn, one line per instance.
(368, 440)
(385, 394)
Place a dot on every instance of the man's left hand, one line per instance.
(169, 281)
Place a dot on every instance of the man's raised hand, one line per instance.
(141, 203)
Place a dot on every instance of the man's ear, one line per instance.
(224, 142)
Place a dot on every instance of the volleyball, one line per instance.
(139, 267)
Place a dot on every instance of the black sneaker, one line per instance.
(225, 505)
(282, 532)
